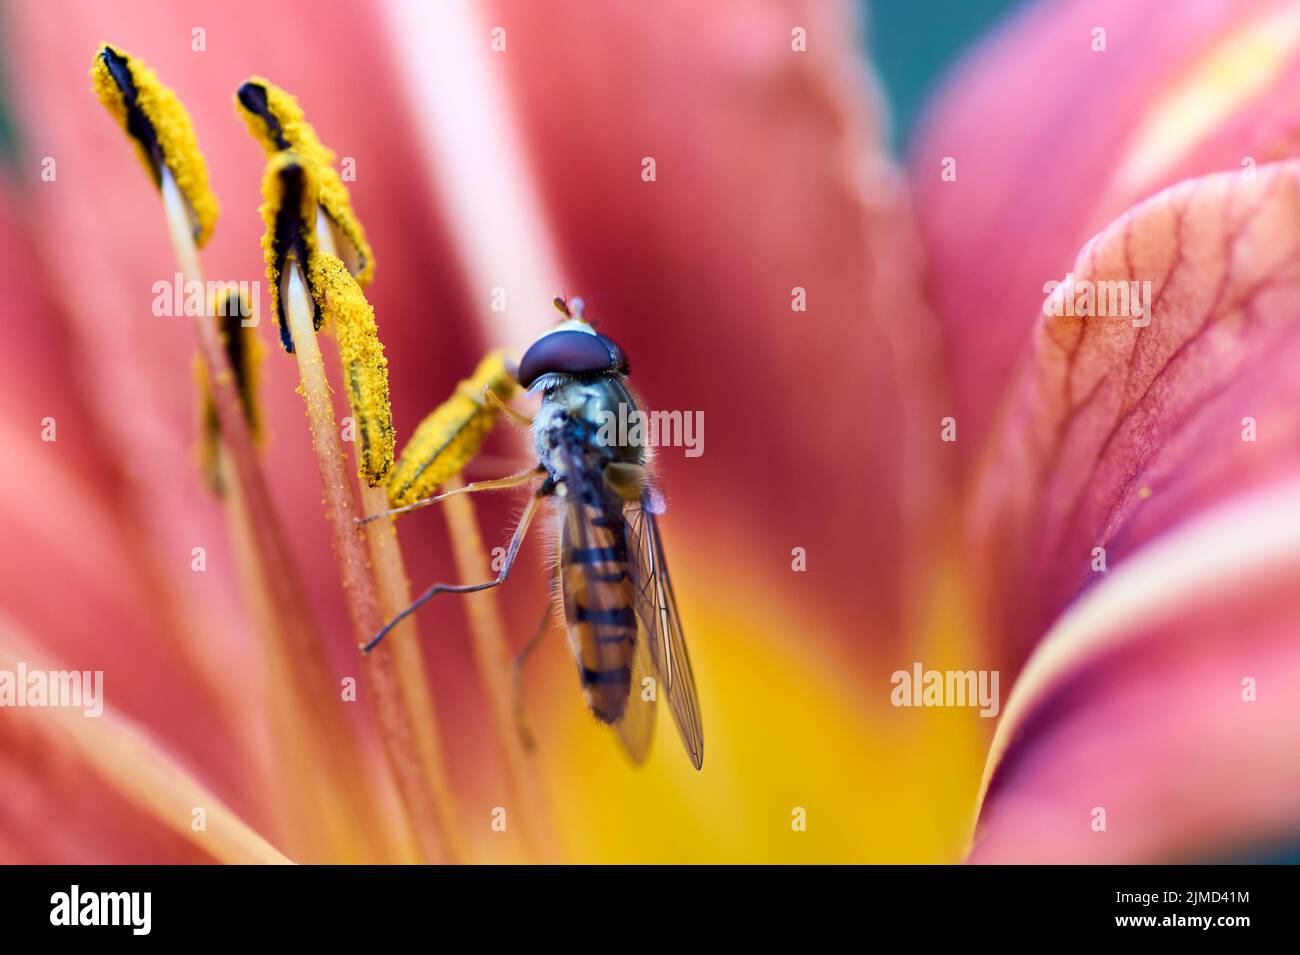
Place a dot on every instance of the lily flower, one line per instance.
(914, 452)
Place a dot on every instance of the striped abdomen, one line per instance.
(598, 603)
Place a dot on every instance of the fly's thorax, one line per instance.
(587, 416)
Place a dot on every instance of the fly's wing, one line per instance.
(636, 729)
(661, 626)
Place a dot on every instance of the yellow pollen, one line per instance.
(161, 123)
(365, 369)
(452, 434)
(276, 121)
(281, 170)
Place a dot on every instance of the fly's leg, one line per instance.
(517, 673)
(491, 464)
(497, 484)
(452, 435)
(513, 415)
(512, 552)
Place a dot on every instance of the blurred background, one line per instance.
(912, 45)
(813, 544)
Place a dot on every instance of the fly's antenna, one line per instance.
(572, 308)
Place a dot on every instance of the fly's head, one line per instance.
(573, 351)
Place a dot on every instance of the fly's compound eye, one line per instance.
(570, 353)
(617, 360)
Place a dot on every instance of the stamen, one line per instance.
(315, 747)
(289, 197)
(244, 352)
(403, 703)
(392, 708)
(452, 434)
(158, 124)
(308, 216)
(365, 369)
(276, 121)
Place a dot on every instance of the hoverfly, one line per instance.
(619, 609)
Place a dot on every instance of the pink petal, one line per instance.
(97, 788)
(73, 570)
(1053, 140)
(1114, 433)
(1165, 700)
